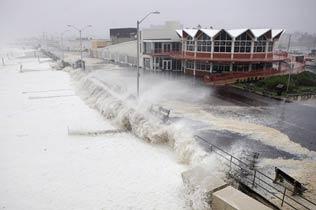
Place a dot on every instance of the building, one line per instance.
(218, 56)
(99, 43)
(118, 35)
(214, 53)
(158, 42)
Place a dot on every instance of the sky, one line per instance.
(33, 17)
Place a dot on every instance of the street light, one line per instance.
(289, 65)
(80, 32)
(62, 42)
(138, 23)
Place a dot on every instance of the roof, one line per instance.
(210, 32)
(236, 32)
(276, 32)
(180, 33)
(191, 32)
(259, 32)
(232, 32)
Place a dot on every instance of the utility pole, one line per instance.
(138, 57)
(138, 46)
(62, 43)
(80, 32)
(289, 43)
(290, 66)
(80, 37)
(46, 41)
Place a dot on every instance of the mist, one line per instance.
(20, 18)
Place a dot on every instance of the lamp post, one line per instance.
(80, 36)
(289, 65)
(138, 43)
(62, 43)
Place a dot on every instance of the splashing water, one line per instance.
(117, 104)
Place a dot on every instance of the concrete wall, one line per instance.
(230, 198)
(99, 43)
(125, 52)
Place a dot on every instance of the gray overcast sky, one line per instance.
(32, 17)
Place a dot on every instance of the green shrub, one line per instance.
(305, 81)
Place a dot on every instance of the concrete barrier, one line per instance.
(199, 185)
(230, 198)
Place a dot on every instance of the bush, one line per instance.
(306, 79)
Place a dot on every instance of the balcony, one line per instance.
(161, 52)
(229, 57)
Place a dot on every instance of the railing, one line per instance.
(230, 57)
(281, 53)
(160, 51)
(237, 75)
(260, 182)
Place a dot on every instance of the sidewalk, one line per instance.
(42, 167)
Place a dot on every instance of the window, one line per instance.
(270, 46)
(190, 64)
(243, 43)
(190, 44)
(146, 63)
(158, 47)
(147, 47)
(223, 42)
(166, 47)
(269, 65)
(176, 65)
(202, 66)
(219, 68)
(176, 46)
(241, 67)
(260, 44)
(258, 66)
(204, 43)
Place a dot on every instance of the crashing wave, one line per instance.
(121, 107)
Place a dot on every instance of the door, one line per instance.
(166, 65)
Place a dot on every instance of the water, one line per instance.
(274, 128)
(237, 121)
(296, 120)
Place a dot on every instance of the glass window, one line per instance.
(176, 46)
(219, 68)
(241, 67)
(158, 47)
(190, 44)
(260, 44)
(258, 66)
(190, 64)
(204, 43)
(202, 66)
(243, 43)
(223, 42)
(270, 46)
(147, 47)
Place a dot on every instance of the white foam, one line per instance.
(115, 103)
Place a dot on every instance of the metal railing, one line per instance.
(239, 75)
(259, 181)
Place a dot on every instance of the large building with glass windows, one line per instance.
(211, 53)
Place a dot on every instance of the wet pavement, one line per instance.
(296, 119)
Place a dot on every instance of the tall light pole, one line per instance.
(289, 65)
(62, 43)
(138, 45)
(80, 36)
